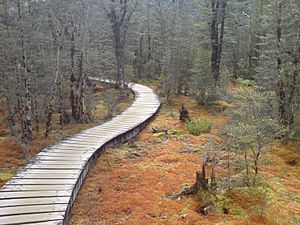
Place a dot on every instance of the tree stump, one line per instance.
(200, 184)
(201, 180)
(184, 114)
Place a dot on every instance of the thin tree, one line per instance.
(27, 108)
(218, 8)
(119, 22)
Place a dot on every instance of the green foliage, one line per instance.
(254, 119)
(253, 126)
(198, 126)
(201, 80)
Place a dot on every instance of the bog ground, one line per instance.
(132, 183)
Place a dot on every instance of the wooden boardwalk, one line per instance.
(44, 191)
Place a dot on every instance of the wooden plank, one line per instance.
(54, 167)
(34, 201)
(31, 218)
(36, 188)
(63, 154)
(31, 209)
(30, 171)
(61, 158)
(46, 176)
(53, 222)
(28, 181)
(90, 135)
(74, 151)
(60, 162)
(87, 140)
(99, 132)
(76, 143)
(73, 147)
(33, 194)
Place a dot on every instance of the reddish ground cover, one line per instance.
(132, 183)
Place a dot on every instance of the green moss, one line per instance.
(7, 174)
(172, 133)
(225, 204)
(159, 135)
(121, 153)
(2, 138)
(175, 132)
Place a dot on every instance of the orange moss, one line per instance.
(136, 191)
(120, 190)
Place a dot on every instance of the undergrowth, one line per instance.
(198, 126)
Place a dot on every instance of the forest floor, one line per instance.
(132, 183)
(14, 155)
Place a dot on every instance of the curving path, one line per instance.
(44, 191)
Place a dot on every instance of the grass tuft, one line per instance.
(198, 126)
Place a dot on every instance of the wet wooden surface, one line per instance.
(44, 191)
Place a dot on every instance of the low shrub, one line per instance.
(198, 126)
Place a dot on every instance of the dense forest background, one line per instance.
(192, 47)
(228, 69)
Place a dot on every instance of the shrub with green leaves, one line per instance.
(253, 126)
(198, 126)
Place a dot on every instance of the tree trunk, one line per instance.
(10, 117)
(119, 24)
(36, 117)
(73, 97)
(56, 86)
(63, 115)
(27, 110)
(82, 114)
(220, 44)
(120, 68)
(73, 79)
(214, 39)
(119, 50)
(218, 17)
